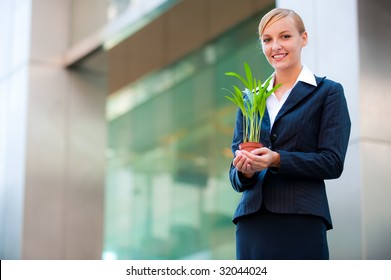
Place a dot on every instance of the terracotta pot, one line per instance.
(249, 146)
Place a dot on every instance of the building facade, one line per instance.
(115, 133)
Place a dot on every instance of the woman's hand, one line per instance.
(243, 164)
(257, 160)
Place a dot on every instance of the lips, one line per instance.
(279, 56)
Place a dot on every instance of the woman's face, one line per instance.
(282, 44)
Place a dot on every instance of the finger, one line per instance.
(260, 151)
(247, 154)
(239, 162)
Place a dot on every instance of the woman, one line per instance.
(283, 212)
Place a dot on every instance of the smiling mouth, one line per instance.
(279, 56)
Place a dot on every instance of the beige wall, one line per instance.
(87, 17)
(54, 196)
(65, 149)
(64, 166)
(375, 97)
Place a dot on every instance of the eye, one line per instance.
(286, 36)
(265, 40)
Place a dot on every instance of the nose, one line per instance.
(276, 45)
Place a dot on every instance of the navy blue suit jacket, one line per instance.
(311, 134)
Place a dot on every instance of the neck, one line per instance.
(287, 77)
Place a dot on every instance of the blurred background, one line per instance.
(115, 133)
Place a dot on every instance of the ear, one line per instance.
(304, 38)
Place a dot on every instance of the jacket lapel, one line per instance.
(266, 121)
(298, 93)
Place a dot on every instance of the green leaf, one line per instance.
(233, 74)
(249, 76)
(253, 107)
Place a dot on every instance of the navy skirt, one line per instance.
(270, 236)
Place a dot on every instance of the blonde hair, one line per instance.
(277, 14)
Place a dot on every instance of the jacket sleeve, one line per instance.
(240, 183)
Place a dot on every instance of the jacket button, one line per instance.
(273, 137)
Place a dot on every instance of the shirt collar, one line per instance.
(305, 76)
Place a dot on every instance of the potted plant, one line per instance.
(252, 103)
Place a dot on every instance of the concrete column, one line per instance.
(14, 68)
(52, 191)
(375, 129)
